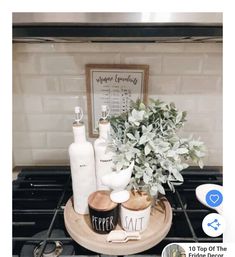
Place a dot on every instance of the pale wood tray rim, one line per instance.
(78, 228)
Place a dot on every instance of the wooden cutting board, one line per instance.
(79, 228)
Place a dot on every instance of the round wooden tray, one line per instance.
(79, 228)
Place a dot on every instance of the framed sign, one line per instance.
(114, 85)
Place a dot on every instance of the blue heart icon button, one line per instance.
(214, 198)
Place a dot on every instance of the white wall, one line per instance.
(49, 80)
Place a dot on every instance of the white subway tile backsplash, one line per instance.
(88, 58)
(153, 60)
(27, 104)
(57, 64)
(38, 84)
(59, 140)
(32, 104)
(73, 63)
(73, 84)
(99, 47)
(16, 85)
(201, 85)
(119, 48)
(51, 122)
(22, 156)
(19, 121)
(49, 80)
(212, 64)
(206, 161)
(26, 64)
(182, 63)
(62, 103)
(46, 122)
(122, 48)
(163, 48)
(219, 124)
(220, 84)
(200, 122)
(203, 48)
(29, 140)
(140, 48)
(182, 103)
(18, 103)
(212, 140)
(215, 157)
(78, 47)
(163, 85)
(50, 156)
(210, 104)
(195, 103)
(188, 104)
(34, 48)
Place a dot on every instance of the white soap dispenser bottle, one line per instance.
(103, 158)
(82, 165)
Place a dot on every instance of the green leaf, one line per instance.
(138, 175)
(143, 139)
(146, 178)
(170, 185)
(178, 176)
(199, 154)
(176, 145)
(182, 151)
(153, 190)
(200, 163)
(137, 135)
(129, 135)
(147, 149)
(161, 189)
(150, 127)
(128, 155)
(138, 169)
(146, 164)
(149, 171)
(142, 106)
(179, 117)
(171, 153)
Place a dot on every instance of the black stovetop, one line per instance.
(40, 194)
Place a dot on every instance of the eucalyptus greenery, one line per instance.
(148, 135)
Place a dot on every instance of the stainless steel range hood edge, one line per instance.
(117, 27)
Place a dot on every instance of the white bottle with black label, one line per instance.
(103, 158)
(82, 165)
